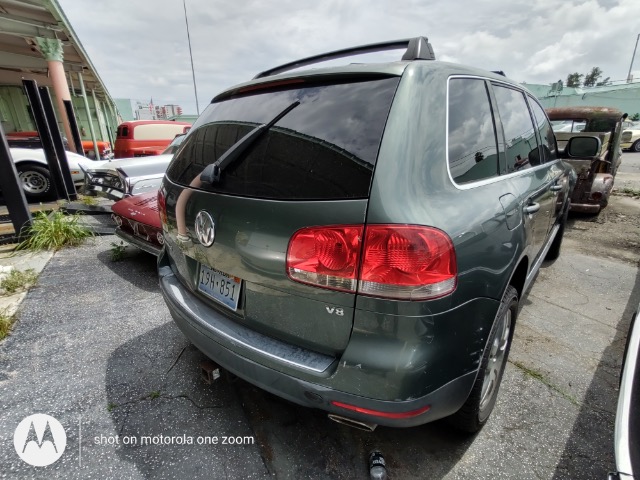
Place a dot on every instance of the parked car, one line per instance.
(34, 174)
(627, 426)
(138, 222)
(631, 136)
(144, 137)
(596, 174)
(120, 178)
(31, 139)
(359, 238)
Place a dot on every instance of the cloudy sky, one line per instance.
(140, 50)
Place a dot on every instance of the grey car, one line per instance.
(358, 239)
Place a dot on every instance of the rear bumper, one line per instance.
(138, 242)
(240, 350)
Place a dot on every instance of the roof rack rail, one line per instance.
(418, 48)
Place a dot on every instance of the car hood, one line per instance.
(37, 154)
(133, 167)
(141, 208)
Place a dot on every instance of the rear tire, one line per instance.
(636, 146)
(35, 181)
(476, 410)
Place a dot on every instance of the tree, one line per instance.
(603, 82)
(574, 79)
(591, 78)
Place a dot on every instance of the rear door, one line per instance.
(523, 154)
(313, 168)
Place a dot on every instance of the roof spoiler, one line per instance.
(418, 48)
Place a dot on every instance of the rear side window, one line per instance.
(548, 150)
(522, 147)
(324, 148)
(124, 132)
(473, 153)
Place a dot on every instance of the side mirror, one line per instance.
(583, 147)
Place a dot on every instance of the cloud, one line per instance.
(140, 47)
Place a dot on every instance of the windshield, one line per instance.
(325, 147)
(173, 146)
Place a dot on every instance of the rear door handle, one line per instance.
(532, 208)
(556, 187)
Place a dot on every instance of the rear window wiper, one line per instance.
(212, 172)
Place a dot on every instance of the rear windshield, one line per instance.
(324, 148)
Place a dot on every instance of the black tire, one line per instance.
(36, 181)
(476, 410)
(554, 250)
(636, 146)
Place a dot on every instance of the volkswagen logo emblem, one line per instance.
(205, 228)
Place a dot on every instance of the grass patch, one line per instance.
(154, 395)
(6, 322)
(88, 201)
(630, 192)
(542, 379)
(54, 231)
(117, 251)
(18, 281)
(111, 406)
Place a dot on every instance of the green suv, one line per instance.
(357, 239)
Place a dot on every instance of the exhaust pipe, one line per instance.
(350, 422)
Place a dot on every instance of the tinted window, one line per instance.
(325, 148)
(522, 147)
(548, 139)
(473, 154)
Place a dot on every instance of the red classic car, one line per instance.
(138, 221)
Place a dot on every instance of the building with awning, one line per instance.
(38, 43)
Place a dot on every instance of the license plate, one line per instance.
(220, 286)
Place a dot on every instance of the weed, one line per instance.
(6, 321)
(88, 201)
(18, 280)
(111, 406)
(54, 231)
(633, 192)
(542, 379)
(117, 251)
(153, 395)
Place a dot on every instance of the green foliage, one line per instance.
(635, 117)
(111, 406)
(592, 77)
(154, 395)
(88, 201)
(117, 251)
(18, 280)
(54, 231)
(574, 79)
(6, 322)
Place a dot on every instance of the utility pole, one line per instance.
(193, 72)
(629, 77)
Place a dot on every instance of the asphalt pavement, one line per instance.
(96, 349)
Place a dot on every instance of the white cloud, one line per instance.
(140, 47)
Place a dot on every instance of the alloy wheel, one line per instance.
(497, 357)
(34, 182)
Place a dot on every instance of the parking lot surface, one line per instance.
(95, 348)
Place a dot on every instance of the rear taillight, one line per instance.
(406, 262)
(326, 256)
(162, 207)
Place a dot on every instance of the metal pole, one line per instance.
(632, 57)
(193, 72)
(73, 125)
(86, 106)
(44, 132)
(50, 115)
(12, 189)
